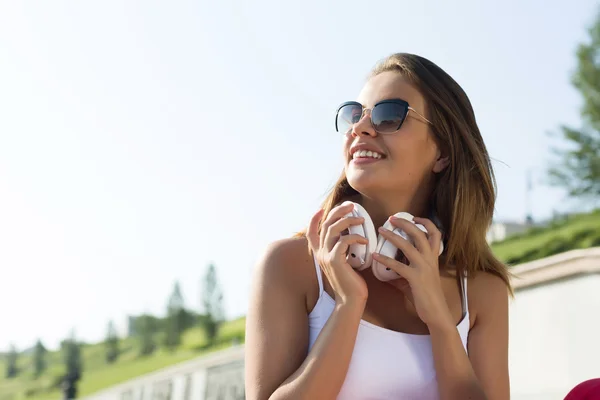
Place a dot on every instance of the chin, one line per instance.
(372, 182)
(365, 182)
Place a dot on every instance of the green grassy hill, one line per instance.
(98, 375)
(577, 231)
(574, 232)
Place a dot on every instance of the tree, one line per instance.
(72, 357)
(39, 359)
(578, 170)
(175, 320)
(212, 302)
(146, 328)
(11, 362)
(71, 350)
(111, 344)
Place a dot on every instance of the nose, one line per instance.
(364, 127)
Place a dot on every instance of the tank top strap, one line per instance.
(319, 276)
(465, 298)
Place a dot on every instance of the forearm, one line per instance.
(455, 376)
(322, 373)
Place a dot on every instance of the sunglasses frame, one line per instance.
(370, 110)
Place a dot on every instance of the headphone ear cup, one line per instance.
(360, 256)
(357, 253)
(386, 248)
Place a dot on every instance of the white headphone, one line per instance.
(360, 255)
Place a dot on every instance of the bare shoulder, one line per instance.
(277, 320)
(487, 292)
(286, 262)
(285, 256)
(290, 248)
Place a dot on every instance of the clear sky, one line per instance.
(140, 141)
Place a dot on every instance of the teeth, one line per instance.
(366, 154)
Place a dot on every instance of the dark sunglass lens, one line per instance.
(347, 116)
(387, 117)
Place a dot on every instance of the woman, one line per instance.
(318, 329)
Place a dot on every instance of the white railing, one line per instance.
(219, 375)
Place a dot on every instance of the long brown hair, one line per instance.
(465, 191)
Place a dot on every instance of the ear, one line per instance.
(441, 163)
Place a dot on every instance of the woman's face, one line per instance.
(410, 155)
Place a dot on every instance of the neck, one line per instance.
(382, 206)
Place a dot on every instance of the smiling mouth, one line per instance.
(367, 154)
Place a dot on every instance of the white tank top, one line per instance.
(386, 364)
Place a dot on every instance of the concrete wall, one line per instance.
(554, 341)
(555, 338)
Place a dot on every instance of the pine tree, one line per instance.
(111, 344)
(146, 329)
(11, 362)
(39, 359)
(72, 357)
(578, 170)
(175, 320)
(71, 350)
(212, 301)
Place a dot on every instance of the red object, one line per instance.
(586, 390)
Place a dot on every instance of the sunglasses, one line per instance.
(387, 116)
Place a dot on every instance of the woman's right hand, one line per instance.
(330, 249)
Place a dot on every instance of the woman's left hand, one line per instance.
(421, 284)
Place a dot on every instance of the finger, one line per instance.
(342, 245)
(335, 230)
(409, 250)
(417, 235)
(435, 236)
(312, 234)
(335, 214)
(402, 269)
